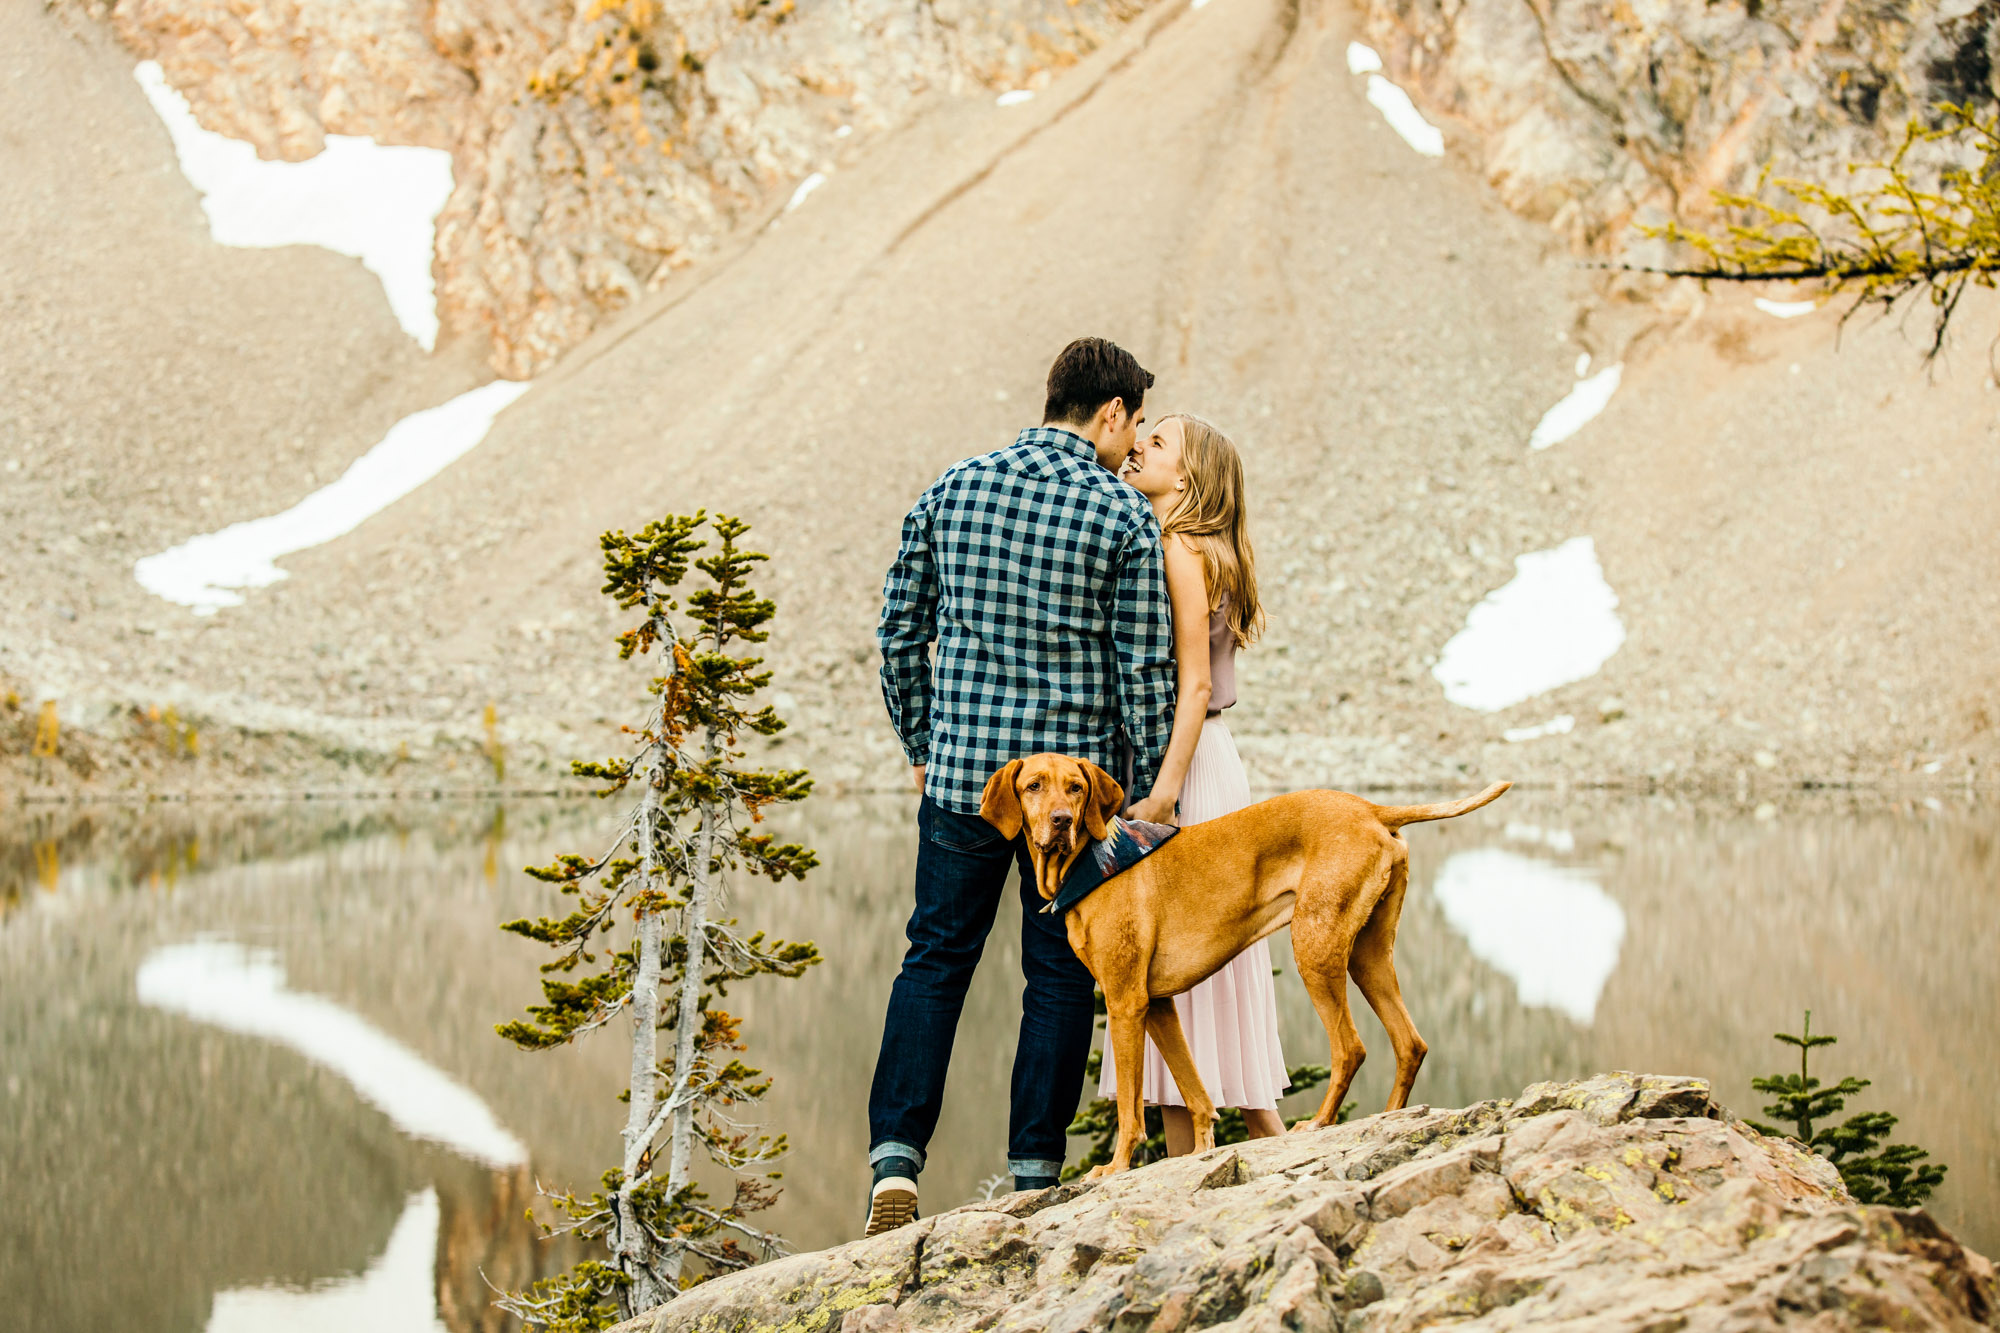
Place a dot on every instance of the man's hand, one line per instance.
(917, 776)
(1153, 810)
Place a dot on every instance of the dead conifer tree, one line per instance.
(648, 936)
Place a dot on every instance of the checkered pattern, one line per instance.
(1039, 575)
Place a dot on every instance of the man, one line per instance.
(1038, 575)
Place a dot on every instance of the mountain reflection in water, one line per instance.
(276, 1162)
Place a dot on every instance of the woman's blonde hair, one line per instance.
(1209, 515)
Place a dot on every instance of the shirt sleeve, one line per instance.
(1142, 638)
(908, 625)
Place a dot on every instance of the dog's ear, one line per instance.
(1106, 799)
(1000, 804)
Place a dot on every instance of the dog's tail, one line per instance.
(1395, 816)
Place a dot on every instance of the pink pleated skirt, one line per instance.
(1231, 1020)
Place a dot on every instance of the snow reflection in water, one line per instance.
(1730, 925)
(1551, 929)
(397, 1293)
(228, 986)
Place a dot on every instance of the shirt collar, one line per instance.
(1055, 437)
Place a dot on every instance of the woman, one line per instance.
(1194, 478)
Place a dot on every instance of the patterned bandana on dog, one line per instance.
(1130, 841)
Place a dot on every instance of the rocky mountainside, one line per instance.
(1592, 116)
(1623, 1202)
(598, 147)
(1795, 523)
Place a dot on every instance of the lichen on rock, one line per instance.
(1624, 1201)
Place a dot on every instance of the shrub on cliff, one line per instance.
(662, 950)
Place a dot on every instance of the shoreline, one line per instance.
(1885, 789)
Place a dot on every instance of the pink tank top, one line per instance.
(1221, 660)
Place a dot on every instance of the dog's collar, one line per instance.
(1127, 842)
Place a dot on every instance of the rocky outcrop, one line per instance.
(599, 145)
(1593, 115)
(1620, 1202)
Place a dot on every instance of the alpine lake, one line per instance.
(249, 1077)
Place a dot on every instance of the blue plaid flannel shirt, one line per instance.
(1039, 576)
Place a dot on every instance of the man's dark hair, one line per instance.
(1090, 373)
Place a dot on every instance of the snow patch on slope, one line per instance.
(1785, 309)
(376, 202)
(1578, 408)
(201, 571)
(1394, 104)
(1555, 622)
(805, 190)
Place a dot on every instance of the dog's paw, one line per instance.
(1100, 1172)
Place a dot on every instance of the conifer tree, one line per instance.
(1896, 1175)
(1890, 239)
(648, 936)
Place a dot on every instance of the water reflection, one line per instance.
(250, 1164)
(1549, 927)
(173, 1161)
(394, 1295)
(219, 982)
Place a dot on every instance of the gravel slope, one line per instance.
(1803, 555)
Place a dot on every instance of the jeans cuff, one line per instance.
(1034, 1166)
(891, 1148)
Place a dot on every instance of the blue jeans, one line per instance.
(962, 864)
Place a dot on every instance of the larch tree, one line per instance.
(1896, 236)
(648, 936)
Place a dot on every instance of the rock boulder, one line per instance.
(1624, 1201)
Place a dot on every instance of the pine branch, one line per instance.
(772, 1242)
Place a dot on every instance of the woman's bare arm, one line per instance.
(1187, 590)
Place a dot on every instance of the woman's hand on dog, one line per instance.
(1153, 810)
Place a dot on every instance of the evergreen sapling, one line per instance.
(647, 936)
(1897, 1175)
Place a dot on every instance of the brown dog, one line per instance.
(1329, 864)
